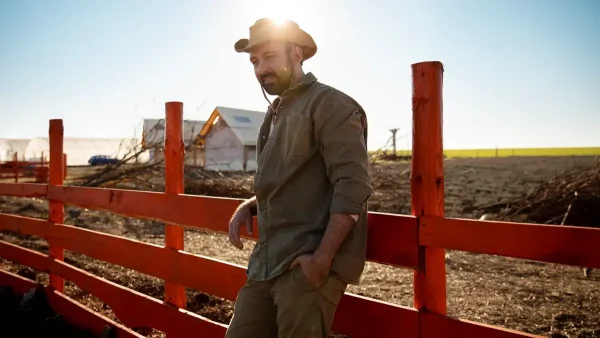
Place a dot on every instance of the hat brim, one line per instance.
(309, 48)
(241, 45)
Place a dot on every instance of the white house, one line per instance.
(228, 139)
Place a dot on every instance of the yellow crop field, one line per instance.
(507, 152)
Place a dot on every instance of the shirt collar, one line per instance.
(306, 80)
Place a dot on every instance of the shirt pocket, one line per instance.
(296, 136)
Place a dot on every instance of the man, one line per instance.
(311, 184)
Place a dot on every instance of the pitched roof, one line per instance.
(244, 123)
(241, 118)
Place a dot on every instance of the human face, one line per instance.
(272, 66)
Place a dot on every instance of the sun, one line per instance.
(280, 20)
(280, 14)
(282, 10)
(278, 10)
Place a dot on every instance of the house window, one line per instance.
(243, 119)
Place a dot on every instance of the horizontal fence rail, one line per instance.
(416, 242)
(24, 190)
(393, 239)
(166, 264)
(37, 168)
(566, 245)
(438, 326)
(72, 311)
(224, 280)
(131, 307)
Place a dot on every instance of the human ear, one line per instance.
(298, 54)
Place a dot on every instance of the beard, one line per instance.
(275, 83)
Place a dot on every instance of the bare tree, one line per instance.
(129, 170)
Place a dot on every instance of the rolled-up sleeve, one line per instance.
(340, 133)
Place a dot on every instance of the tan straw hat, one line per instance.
(267, 29)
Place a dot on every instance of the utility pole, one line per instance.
(394, 130)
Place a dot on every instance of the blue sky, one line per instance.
(517, 73)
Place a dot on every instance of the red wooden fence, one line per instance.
(415, 242)
(16, 169)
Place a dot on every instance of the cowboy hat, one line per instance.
(267, 29)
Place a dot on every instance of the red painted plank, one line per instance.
(176, 266)
(205, 274)
(23, 225)
(546, 243)
(78, 314)
(20, 285)
(23, 189)
(359, 317)
(73, 312)
(134, 309)
(392, 238)
(224, 279)
(437, 326)
(211, 213)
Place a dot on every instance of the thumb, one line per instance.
(294, 263)
(249, 225)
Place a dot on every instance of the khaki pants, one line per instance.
(285, 307)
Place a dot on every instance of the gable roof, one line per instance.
(244, 123)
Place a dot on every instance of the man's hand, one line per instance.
(241, 217)
(315, 268)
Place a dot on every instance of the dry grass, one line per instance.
(540, 298)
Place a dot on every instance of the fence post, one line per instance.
(65, 166)
(427, 181)
(56, 210)
(174, 150)
(16, 166)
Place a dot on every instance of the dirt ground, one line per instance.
(546, 299)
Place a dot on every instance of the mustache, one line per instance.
(264, 77)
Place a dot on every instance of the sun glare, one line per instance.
(280, 20)
(278, 10)
(280, 14)
(283, 10)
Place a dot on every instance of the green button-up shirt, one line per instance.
(313, 164)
